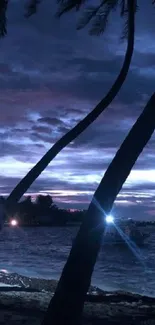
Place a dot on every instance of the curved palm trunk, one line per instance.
(26, 182)
(67, 304)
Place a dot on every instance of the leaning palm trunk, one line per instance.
(27, 181)
(67, 304)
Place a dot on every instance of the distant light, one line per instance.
(109, 219)
(14, 223)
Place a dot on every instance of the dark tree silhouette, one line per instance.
(41, 211)
(3, 19)
(128, 11)
(25, 211)
(44, 201)
(2, 211)
(43, 205)
(67, 304)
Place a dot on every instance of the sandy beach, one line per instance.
(24, 301)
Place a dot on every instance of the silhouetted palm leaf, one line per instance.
(68, 5)
(98, 14)
(123, 7)
(3, 19)
(124, 13)
(32, 7)
(89, 13)
(101, 20)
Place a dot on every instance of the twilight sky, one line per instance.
(50, 77)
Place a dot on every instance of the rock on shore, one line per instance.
(24, 301)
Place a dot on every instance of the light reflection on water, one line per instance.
(42, 252)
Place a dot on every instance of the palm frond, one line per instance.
(67, 5)
(99, 25)
(124, 34)
(32, 7)
(101, 20)
(89, 13)
(126, 16)
(123, 6)
(78, 3)
(3, 18)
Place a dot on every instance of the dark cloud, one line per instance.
(49, 120)
(42, 129)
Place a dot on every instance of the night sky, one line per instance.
(50, 77)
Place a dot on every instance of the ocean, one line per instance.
(42, 252)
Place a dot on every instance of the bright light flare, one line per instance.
(14, 223)
(109, 219)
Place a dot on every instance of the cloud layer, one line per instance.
(50, 77)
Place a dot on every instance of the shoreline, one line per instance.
(71, 224)
(12, 279)
(27, 299)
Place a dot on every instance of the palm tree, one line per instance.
(127, 8)
(67, 304)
